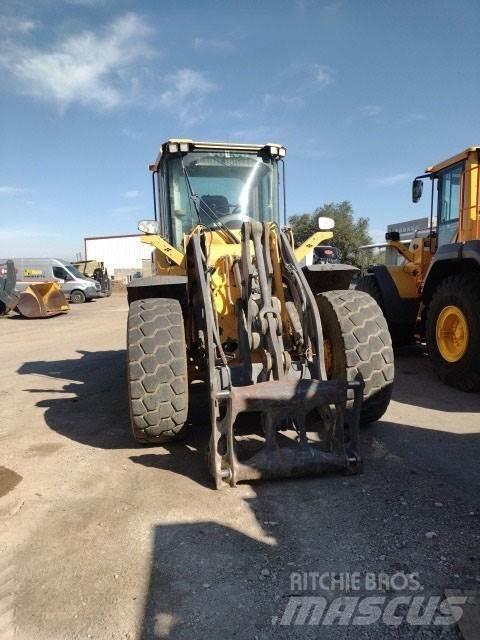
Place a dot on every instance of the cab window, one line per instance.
(449, 185)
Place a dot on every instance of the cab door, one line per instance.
(448, 205)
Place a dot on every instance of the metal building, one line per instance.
(123, 256)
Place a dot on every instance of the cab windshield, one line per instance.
(221, 188)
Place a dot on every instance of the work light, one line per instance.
(148, 226)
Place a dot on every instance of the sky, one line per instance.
(364, 94)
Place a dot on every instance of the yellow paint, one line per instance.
(452, 333)
(409, 277)
(33, 273)
(221, 253)
(406, 284)
(165, 248)
(311, 242)
(469, 225)
(167, 260)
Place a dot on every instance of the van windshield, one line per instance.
(74, 271)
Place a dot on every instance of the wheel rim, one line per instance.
(452, 333)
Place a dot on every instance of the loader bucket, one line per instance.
(41, 300)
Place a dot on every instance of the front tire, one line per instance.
(77, 297)
(157, 370)
(358, 341)
(453, 331)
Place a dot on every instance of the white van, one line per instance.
(74, 284)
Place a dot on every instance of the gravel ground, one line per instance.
(100, 538)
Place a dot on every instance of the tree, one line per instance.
(348, 235)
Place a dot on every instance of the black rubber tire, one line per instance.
(3, 309)
(357, 331)
(77, 297)
(463, 291)
(401, 334)
(157, 370)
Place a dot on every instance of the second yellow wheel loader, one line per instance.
(435, 293)
(291, 360)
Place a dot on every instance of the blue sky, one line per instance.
(364, 94)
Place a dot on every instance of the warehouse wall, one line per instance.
(118, 252)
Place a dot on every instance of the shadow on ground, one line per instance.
(213, 581)
(96, 411)
(416, 384)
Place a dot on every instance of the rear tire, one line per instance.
(461, 291)
(77, 297)
(357, 333)
(157, 370)
(401, 334)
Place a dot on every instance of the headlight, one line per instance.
(148, 226)
(325, 224)
(173, 148)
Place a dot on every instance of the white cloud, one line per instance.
(132, 194)
(96, 69)
(213, 45)
(10, 190)
(324, 75)
(12, 25)
(371, 110)
(391, 180)
(186, 94)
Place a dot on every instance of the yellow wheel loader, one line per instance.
(291, 360)
(435, 294)
(35, 300)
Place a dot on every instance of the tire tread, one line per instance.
(157, 370)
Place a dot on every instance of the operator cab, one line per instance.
(216, 185)
(454, 196)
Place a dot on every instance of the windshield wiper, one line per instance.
(206, 208)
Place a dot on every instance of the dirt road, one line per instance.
(102, 539)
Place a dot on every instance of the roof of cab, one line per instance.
(198, 144)
(452, 160)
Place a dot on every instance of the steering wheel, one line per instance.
(234, 217)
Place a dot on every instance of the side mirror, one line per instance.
(417, 189)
